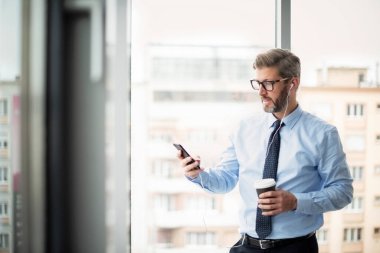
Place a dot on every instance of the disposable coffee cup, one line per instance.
(265, 185)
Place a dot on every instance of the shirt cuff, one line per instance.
(201, 179)
(304, 202)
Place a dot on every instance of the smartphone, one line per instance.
(184, 153)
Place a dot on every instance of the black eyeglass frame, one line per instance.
(266, 83)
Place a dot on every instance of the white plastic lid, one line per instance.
(264, 183)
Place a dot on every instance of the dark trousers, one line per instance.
(308, 245)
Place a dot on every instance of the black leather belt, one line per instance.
(272, 243)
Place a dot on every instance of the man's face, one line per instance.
(273, 101)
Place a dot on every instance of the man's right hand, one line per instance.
(191, 167)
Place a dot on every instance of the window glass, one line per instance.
(322, 235)
(10, 114)
(10, 42)
(352, 234)
(356, 172)
(328, 57)
(340, 57)
(191, 66)
(356, 205)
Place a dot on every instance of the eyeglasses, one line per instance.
(266, 84)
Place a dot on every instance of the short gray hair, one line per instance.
(286, 62)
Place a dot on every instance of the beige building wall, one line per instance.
(331, 104)
(342, 76)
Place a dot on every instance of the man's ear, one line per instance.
(295, 83)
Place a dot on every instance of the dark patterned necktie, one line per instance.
(264, 223)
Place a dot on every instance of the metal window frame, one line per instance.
(283, 24)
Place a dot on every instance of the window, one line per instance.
(200, 203)
(377, 201)
(355, 110)
(352, 235)
(3, 208)
(378, 139)
(378, 108)
(356, 205)
(3, 174)
(164, 238)
(376, 232)
(197, 67)
(204, 136)
(377, 169)
(200, 238)
(164, 168)
(355, 143)
(322, 235)
(356, 172)
(189, 75)
(164, 202)
(4, 241)
(158, 136)
(203, 96)
(3, 107)
(361, 78)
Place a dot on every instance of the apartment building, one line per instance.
(9, 192)
(196, 96)
(355, 110)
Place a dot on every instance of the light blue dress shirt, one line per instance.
(312, 166)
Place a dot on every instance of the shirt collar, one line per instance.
(290, 120)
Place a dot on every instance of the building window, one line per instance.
(164, 168)
(205, 136)
(361, 78)
(378, 139)
(200, 203)
(3, 107)
(3, 174)
(355, 143)
(4, 241)
(356, 172)
(377, 201)
(377, 169)
(3, 209)
(164, 202)
(322, 235)
(378, 108)
(352, 235)
(164, 238)
(200, 238)
(376, 232)
(355, 110)
(161, 136)
(355, 205)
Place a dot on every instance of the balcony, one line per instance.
(352, 247)
(191, 218)
(353, 217)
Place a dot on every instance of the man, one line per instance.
(300, 151)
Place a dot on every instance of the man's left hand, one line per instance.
(276, 202)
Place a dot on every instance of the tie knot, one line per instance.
(277, 124)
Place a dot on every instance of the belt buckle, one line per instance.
(266, 244)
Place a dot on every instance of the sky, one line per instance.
(10, 39)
